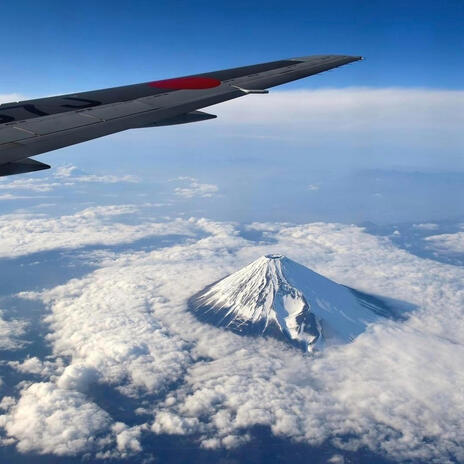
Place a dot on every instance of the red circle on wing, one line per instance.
(186, 83)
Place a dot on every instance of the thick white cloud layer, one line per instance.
(38, 367)
(397, 389)
(22, 234)
(350, 109)
(48, 419)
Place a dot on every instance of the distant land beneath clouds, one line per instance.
(349, 155)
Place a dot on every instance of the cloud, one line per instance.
(11, 332)
(350, 110)
(10, 196)
(135, 351)
(336, 459)
(61, 177)
(167, 422)
(38, 185)
(78, 377)
(11, 97)
(313, 187)
(47, 419)
(75, 175)
(127, 439)
(453, 243)
(126, 325)
(36, 366)
(426, 226)
(195, 189)
(22, 234)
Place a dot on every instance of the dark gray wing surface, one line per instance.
(33, 127)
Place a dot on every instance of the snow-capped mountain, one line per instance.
(278, 297)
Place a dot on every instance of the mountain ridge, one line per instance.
(278, 297)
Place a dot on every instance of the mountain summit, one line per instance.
(275, 296)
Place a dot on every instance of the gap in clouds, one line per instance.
(263, 447)
(32, 342)
(437, 240)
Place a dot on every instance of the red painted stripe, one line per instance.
(186, 83)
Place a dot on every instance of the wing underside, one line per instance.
(33, 127)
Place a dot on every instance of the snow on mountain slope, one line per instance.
(278, 297)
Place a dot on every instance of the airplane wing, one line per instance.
(32, 127)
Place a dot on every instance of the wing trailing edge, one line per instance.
(21, 167)
(193, 116)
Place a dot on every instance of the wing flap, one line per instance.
(10, 134)
(21, 167)
(193, 116)
(119, 110)
(55, 123)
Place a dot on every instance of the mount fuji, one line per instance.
(277, 297)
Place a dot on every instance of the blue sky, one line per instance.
(54, 46)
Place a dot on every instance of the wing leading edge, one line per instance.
(33, 127)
